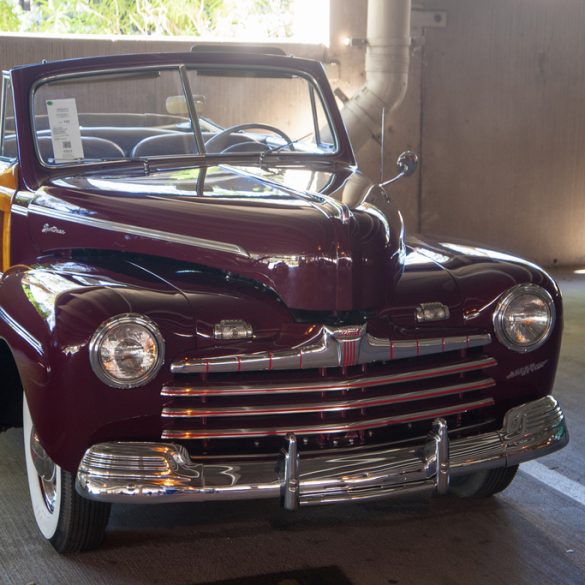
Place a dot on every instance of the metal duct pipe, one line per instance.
(387, 65)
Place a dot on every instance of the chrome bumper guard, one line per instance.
(164, 472)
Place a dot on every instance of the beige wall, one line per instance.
(504, 126)
(348, 19)
(496, 108)
(19, 49)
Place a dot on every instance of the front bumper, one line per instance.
(164, 472)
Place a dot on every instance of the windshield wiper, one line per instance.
(286, 144)
(280, 147)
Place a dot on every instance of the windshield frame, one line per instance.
(182, 67)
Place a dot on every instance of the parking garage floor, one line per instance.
(533, 533)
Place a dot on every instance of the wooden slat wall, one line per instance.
(21, 49)
(15, 50)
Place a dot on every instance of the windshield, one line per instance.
(180, 110)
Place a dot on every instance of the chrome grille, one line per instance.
(369, 423)
(330, 347)
(327, 406)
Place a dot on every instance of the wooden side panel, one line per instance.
(8, 186)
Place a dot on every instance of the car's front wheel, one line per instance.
(482, 484)
(68, 521)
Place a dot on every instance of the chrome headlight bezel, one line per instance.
(504, 304)
(105, 329)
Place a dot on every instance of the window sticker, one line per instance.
(65, 132)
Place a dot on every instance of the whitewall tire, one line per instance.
(68, 521)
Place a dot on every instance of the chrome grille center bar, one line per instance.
(332, 348)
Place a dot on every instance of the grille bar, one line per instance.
(329, 349)
(325, 428)
(339, 406)
(328, 386)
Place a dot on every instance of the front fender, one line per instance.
(480, 278)
(47, 318)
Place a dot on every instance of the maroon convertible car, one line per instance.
(202, 298)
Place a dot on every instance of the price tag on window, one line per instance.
(65, 132)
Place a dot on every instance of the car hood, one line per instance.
(307, 235)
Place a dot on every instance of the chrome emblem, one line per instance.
(349, 340)
(525, 370)
(347, 333)
(52, 229)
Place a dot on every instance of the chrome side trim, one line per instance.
(124, 228)
(164, 472)
(337, 406)
(17, 210)
(330, 351)
(21, 202)
(206, 433)
(362, 382)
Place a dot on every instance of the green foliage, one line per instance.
(9, 21)
(252, 20)
(225, 18)
(187, 17)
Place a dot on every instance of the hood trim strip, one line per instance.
(138, 231)
(318, 201)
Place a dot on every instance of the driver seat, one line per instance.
(165, 144)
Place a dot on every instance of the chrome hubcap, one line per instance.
(46, 470)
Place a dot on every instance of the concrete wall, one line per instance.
(496, 108)
(348, 19)
(504, 126)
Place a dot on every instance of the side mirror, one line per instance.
(407, 163)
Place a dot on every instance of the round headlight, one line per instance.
(126, 351)
(524, 317)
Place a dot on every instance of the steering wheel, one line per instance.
(219, 140)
